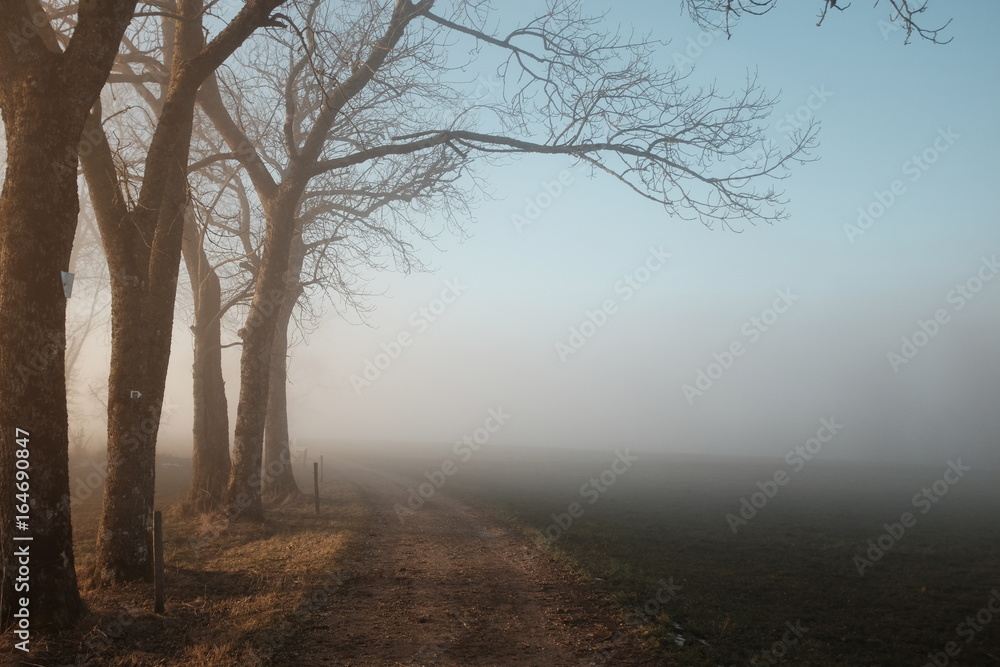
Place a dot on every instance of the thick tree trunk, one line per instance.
(124, 544)
(143, 249)
(38, 210)
(279, 482)
(144, 260)
(45, 96)
(143, 246)
(243, 493)
(211, 412)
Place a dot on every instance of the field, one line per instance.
(786, 584)
(800, 582)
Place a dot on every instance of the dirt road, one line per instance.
(446, 585)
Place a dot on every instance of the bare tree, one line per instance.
(46, 92)
(210, 464)
(346, 220)
(570, 89)
(724, 14)
(342, 224)
(142, 237)
(573, 90)
(361, 220)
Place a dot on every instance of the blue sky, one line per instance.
(495, 345)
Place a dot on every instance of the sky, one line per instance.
(698, 340)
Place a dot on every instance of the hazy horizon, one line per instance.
(527, 278)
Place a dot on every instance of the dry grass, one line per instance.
(234, 593)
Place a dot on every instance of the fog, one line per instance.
(875, 304)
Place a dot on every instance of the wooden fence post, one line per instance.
(316, 484)
(158, 562)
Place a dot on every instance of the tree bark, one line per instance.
(45, 96)
(279, 482)
(37, 218)
(211, 413)
(143, 289)
(143, 247)
(243, 493)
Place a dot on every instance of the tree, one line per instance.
(142, 240)
(346, 223)
(724, 14)
(46, 93)
(210, 461)
(281, 202)
(344, 220)
(576, 92)
(340, 225)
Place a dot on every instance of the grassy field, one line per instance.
(783, 589)
(234, 594)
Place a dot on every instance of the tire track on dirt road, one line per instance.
(448, 585)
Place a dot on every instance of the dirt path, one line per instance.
(449, 586)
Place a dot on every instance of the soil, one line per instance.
(446, 584)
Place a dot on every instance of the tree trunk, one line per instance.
(279, 482)
(243, 493)
(211, 412)
(45, 97)
(143, 249)
(38, 209)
